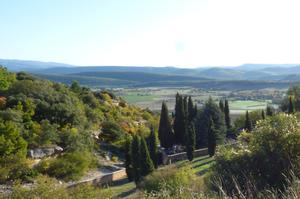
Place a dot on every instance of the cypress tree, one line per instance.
(192, 110)
(190, 142)
(210, 111)
(269, 111)
(185, 106)
(248, 123)
(153, 147)
(195, 110)
(227, 115)
(221, 105)
(165, 132)
(291, 108)
(128, 162)
(179, 121)
(145, 159)
(263, 116)
(212, 138)
(135, 158)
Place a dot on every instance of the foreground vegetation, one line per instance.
(262, 162)
(39, 114)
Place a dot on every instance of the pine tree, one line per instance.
(152, 140)
(221, 105)
(135, 158)
(227, 115)
(212, 138)
(248, 123)
(145, 159)
(165, 132)
(263, 116)
(128, 164)
(190, 142)
(291, 108)
(179, 121)
(269, 111)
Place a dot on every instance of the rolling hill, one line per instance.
(241, 77)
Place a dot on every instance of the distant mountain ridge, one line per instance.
(28, 65)
(136, 76)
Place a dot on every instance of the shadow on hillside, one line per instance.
(200, 173)
(201, 159)
(204, 163)
(120, 183)
(126, 193)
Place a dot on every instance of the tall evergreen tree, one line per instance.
(195, 110)
(227, 115)
(248, 123)
(212, 138)
(136, 158)
(128, 162)
(165, 132)
(190, 142)
(192, 110)
(291, 108)
(185, 106)
(269, 111)
(179, 121)
(145, 159)
(152, 140)
(210, 110)
(263, 116)
(221, 105)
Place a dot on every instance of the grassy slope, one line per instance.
(127, 189)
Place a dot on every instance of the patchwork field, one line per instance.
(239, 101)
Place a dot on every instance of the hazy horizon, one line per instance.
(184, 67)
(159, 33)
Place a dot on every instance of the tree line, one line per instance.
(191, 127)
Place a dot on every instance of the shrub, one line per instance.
(266, 158)
(69, 166)
(88, 191)
(169, 177)
(49, 188)
(111, 132)
(11, 141)
(14, 167)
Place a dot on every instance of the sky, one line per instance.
(182, 33)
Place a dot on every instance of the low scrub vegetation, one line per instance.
(49, 188)
(170, 177)
(69, 166)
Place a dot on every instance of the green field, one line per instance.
(152, 98)
(247, 105)
(137, 97)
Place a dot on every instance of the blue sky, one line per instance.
(183, 33)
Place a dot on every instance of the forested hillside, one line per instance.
(37, 113)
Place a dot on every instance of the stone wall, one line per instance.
(169, 159)
(105, 179)
(114, 176)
